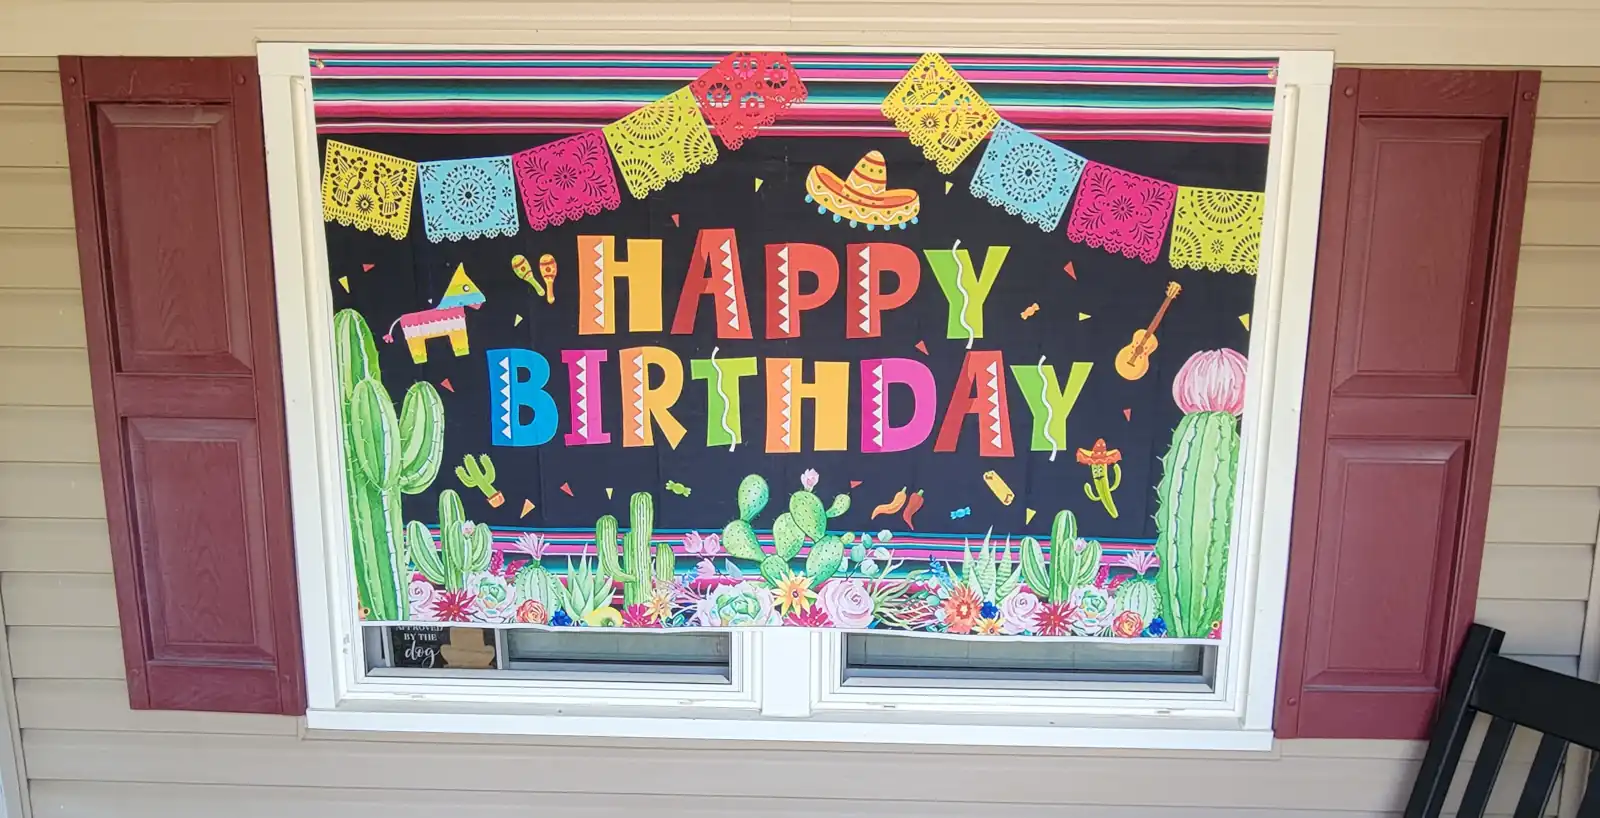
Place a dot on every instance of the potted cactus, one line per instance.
(1194, 501)
(385, 455)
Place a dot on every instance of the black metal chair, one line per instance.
(1565, 709)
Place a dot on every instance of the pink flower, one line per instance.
(1141, 561)
(454, 606)
(809, 478)
(705, 569)
(639, 616)
(1211, 381)
(702, 545)
(847, 603)
(1055, 618)
(420, 597)
(813, 617)
(1018, 612)
(531, 544)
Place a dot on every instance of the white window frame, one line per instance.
(787, 685)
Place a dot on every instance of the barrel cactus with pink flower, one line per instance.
(1194, 501)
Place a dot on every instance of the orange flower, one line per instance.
(961, 609)
(988, 627)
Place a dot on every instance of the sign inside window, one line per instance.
(946, 344)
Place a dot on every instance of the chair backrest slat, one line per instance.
(1475, 800)
(1590, 806)
(1514, 694)
(1542, 777)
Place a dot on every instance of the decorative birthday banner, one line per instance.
(854, 341)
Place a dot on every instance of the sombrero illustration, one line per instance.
(862, 197)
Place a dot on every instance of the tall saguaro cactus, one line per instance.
(632, 567)
(385, 456)
(462, 548)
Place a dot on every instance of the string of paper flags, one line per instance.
(580, 175)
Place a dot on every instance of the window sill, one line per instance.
(1157, 733)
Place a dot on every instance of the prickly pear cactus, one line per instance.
(805, 520)
(385, 456)
(1194, 521)
(738, 537)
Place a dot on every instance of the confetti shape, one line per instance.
(1127, 414)
(854, 483)
(367, 268)
(1027, 515)
(759, 182)
(1071, 271)
(566, 489)
(608, 492)
(675, 222)
(922, 348)
(1083, 316)
(948, 185)
(527, 506)
(446, 384)
(1245, 319)
(517, 321)
(344, 281)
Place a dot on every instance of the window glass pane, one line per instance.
(427, 650)
(869, 656)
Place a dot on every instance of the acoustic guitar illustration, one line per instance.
(1133, 360)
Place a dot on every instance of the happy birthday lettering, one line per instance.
(649, 380)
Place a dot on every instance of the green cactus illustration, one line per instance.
(1140, 596)
(479, 474)
(806, 520)
(535, 584)
(385, 456)
(1194, 521)
(461, 549)
(990, 572)
(632, 567)
(1073, 562)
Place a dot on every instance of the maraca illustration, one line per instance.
(524, 271)
(547, 271)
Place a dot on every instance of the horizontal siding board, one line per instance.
(49, 652)
(99, 704)
(1562, 214)
(42, 545)
(1522, 571)
(66, 490)
(35, 198)
(1563, 150)
(1557, 338)
(39, 259)
(41, 318)
(78, 799)
(44, 377)
(45, 434)
(764, 771)
(1558, 276)
(1545, 628)
(1561, 99)
(1548, 457)
(1543, 515)
(1561, 398)
(74, 600)
(19, 87)
(31, 136)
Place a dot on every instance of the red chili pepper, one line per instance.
(913, 503)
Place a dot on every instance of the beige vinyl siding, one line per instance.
(88, 755)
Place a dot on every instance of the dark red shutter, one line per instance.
(169, 187)
(1411, 311)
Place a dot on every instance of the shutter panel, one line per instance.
(1421, 220)
(169, 188)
